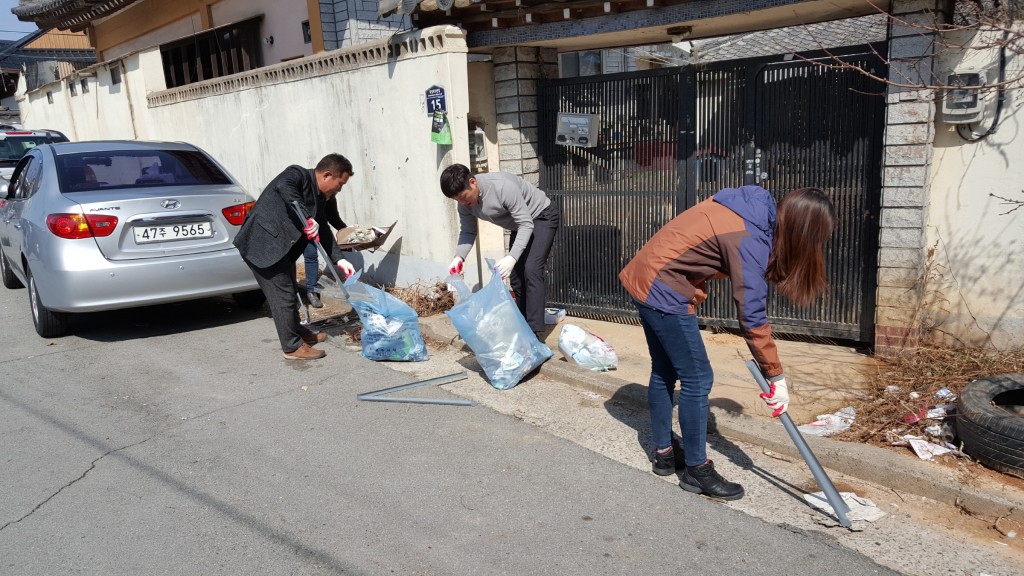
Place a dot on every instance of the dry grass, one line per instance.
(921, 372)
(426, 300)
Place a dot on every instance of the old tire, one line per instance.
(251, 300)
(48, 324)
(990, 421)
(6, 274)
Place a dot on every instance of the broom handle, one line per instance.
(820, 476)
(330, 265)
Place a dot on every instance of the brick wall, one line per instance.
(909, 133)
(352, 22)
(516, 73)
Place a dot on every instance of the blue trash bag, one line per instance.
(492, 326)
(391, 328)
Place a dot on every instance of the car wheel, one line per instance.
(990, 422)
(48, 324)
(251, 300)
(10, 280)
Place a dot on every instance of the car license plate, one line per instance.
(146, 234)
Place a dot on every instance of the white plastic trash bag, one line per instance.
(586, 349)
(495, 330)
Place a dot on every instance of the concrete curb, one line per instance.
(869, 463)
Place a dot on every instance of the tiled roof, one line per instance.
(66, 14)
(809, 38)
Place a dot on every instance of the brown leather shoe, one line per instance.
(305, 352)
(314, 339)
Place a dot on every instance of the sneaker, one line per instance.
(305, 352)
(314, 300)
(705, 480)
(669, 462)
(315, 338)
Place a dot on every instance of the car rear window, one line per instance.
(12, 147)
(80, 172)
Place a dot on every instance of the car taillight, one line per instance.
(75, 226)
(236, 214)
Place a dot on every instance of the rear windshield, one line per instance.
(12, 148)
(136, 169)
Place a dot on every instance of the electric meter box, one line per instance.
(962, 101)
(577, 129)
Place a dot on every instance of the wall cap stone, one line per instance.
(428, 42)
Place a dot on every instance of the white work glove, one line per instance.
(777, 397)
(504, 266)
(312, 229)
(455, 267)
(346, 268)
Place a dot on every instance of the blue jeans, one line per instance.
(678, 353)
(311, 255)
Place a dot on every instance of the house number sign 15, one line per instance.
(435, 100)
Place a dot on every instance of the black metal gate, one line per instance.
(672, 137)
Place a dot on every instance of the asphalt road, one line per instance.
(177, 440)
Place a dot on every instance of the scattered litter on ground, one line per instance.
(553, 315)
(771, 454)
(586, 349)
(924, 449)
(861, 509)
(1007, 527)
(828, 424)
(892, 389)
(945, 394)
(941, 411)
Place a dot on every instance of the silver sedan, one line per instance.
(104, 225)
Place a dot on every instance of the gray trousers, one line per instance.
(527, 279)
(279, 285)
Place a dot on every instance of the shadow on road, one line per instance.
(161, 320)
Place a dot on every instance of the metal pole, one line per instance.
(330, 265)
(820, 476)
(419, 400)
(378, 395)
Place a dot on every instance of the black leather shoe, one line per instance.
(669, 462)
(314, 300)
(705, 480)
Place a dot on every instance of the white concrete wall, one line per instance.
(373, 113)
(490, 237)
(975, 285)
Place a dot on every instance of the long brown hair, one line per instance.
(806, 218)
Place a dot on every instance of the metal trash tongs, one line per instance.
(330, 263)
(820, 476)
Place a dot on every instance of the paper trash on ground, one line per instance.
(860, 508)
(828, 424)
(924, 449)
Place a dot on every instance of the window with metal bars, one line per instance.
(229, 49)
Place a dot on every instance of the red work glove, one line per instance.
(456, 266)
(777, 397)
(312, 229)
(346, 268)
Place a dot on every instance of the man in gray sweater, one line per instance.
(516, 205)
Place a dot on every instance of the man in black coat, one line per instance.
(272, 238)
